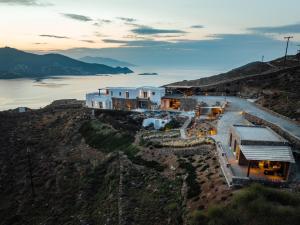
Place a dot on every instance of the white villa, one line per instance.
(126, 98)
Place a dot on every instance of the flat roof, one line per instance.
(257, 133)
(268, 153)
(135, 88)
(179, 86)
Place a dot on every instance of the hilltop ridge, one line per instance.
(19, 64)
(271, 84)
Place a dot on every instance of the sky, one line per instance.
(153, 32)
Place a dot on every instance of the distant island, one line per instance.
(19, 64)
(147, 74)
(106, 61)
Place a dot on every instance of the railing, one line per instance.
(225, 165)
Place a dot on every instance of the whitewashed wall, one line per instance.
(94, 100)
(155, 94)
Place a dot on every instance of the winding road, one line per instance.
(233, 115)
(237, 105)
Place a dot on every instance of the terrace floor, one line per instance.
(258, 173)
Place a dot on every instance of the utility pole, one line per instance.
(287, 46)
(30, 170)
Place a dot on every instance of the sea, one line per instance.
(35, 94)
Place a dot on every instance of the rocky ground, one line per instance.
(91, 170)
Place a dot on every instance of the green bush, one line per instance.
(193, 186)
(197, 217)
(107, 139)
(101, 136)
(173, 124)
(255, 205)
(150, 164)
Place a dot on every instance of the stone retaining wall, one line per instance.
(200, 150)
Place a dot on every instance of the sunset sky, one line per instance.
(45, 25)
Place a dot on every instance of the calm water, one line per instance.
(36, 94)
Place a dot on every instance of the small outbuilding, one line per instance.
(178, 102)
(263, 152)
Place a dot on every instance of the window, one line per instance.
(234, 146)
(153, 93)
(127, 94)
(101, 105)
(120, 93)
(111, 93)
(230, 140)
(145, 94)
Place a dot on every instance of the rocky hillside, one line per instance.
(95, 170)
(77, 183)
(18, 64)
(274, 86)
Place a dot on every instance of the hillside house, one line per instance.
(261, 152)
(126, 98)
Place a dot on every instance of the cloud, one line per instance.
(197, 26)
(98, 34)
(126, 19)
(113, 41)
(77, 17)
(54, 36)
(100, 22)
(137, 43)
(291, 28)
(145, 30)
(168, 36)
(135, 37)
(40, 43)
(105, 21)
(26, 2)
(223, 51)
(88, 41)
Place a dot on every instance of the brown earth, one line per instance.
(74, 183)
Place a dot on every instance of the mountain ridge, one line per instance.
(20, 64)
(106, 61)
(272, 84)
